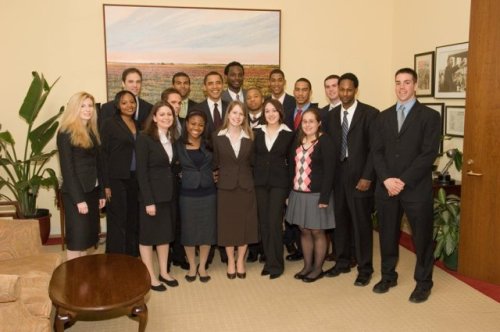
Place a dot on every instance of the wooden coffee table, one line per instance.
(95, 285)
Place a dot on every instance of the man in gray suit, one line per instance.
(235, 74)
(405, 141)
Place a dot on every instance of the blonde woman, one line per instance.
(79, 154)
(236, 202)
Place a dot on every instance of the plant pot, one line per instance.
(451, 261)
(43, 217)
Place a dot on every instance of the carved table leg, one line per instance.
(141, 311)
(62, 317)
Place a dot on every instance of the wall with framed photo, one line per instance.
(438, 107)
(424, 66)
(450, 75)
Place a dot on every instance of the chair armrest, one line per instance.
(10, 288)
(19, 238)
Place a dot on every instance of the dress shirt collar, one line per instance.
(225, 132)
(408, 105)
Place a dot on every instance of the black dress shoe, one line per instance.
(275, 275)
(264, 273)
(203, 278)
(363, 279)
(231, 275)
(383, 286)
(159, 288)
(313, 279)
(420, 294)
(337, 270)
(296, 256)
(183, 264)
(300, 276)
(241, 275)
(170, 283)
(252, 257)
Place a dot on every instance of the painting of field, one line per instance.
(158, 77)
(161, 41)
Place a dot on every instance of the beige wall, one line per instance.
(372, 39)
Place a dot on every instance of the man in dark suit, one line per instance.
(131, 81)
(235, 74)
(254, 102)
(406, 140)
(349, 126)
(331, 84)
(277, 83)
(214, 107)
(182, 83)
(302, 92)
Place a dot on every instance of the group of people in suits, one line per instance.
(239, 169)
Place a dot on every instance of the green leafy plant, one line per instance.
(446, 224)
(24, 176)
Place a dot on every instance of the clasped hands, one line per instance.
(394, 186)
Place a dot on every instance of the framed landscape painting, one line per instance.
(424, 66)
(451, 71)
(161, 41)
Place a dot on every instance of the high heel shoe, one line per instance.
(241, 275)
(202, 278)
(159, 288)
(231, 275)
(170, 283)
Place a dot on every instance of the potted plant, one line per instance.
(447, 228)
(24, 174)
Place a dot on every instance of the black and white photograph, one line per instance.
(424, 66)
(451, 71)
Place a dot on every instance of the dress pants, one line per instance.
(420, 215)
(122, 234)
(353, 229)
(270, 203)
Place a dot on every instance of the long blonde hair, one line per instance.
(245, 126)
(81, 134)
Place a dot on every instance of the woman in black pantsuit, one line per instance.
(271, 178)
(118, 135)
(155, 158)
(82, 192)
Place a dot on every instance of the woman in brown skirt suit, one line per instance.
(236, 202)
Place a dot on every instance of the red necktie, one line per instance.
(297, 119)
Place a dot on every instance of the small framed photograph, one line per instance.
(438, 107)
(454, 121)
(424, 66)
(450, 76)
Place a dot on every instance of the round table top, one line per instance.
(99, 282)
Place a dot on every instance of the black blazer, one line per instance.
(289, 118)
(118, 145)
(108, 109)
(271, 167)
(192, 176)
(322, 168)
(81, 168)
(154, 171)
(203, 106)
(358, 145)
(233, 171)
(409, 154)
(324, 112)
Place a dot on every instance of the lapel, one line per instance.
(358, 113)
(125, 128)
(209, 115)
(337, 117)
(163, 153)
(393, 120)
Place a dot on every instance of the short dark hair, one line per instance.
(213, 72)
(351, 77)
(129, 71)
(279, 107)
(118, 97)
(303, 79)
(233, 64)
(191, 113)
(407, 70)
(276, 71)
(180, 74)
(167, 92)
(329, 77)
